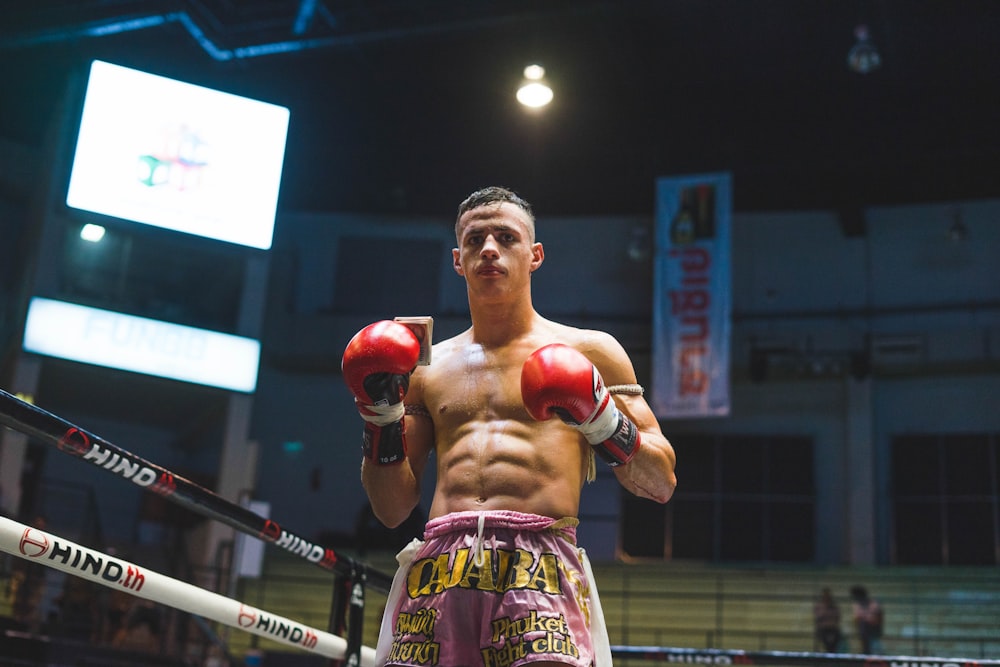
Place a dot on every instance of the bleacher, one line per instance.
(945, 612)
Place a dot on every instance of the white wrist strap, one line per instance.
(383, 414)
(600, 427)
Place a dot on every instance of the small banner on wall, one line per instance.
(692, 296)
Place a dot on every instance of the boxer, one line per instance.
(515, 410)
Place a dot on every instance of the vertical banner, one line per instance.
(692, 296)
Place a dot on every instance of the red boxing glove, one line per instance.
(557, 380)
(377, 364)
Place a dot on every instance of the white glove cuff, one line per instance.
(603, 425)
(382, 415)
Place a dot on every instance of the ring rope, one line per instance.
(59, 553)
(76, 441)
(712, 656)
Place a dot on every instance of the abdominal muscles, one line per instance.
(535, 468)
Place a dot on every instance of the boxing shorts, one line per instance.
(496, 589)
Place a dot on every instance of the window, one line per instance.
(945, 499)
(739, 499)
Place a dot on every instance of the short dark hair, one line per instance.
(493, 194)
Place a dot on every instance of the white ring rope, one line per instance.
(47, 549)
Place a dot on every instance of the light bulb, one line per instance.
(92, 233)
(534, 92)
(863, 56)
(534, 72)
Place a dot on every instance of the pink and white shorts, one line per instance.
(497, 589)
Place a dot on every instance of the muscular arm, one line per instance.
(380, 367)
(650, 473)
(394, 491)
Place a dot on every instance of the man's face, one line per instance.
(496, 248)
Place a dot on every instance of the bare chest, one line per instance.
(477, 385)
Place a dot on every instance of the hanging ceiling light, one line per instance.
(957, 231)
(863, 56)
(91, 232)
(534, 91)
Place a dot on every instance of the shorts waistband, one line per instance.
(469, 521)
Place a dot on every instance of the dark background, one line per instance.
(406, 106)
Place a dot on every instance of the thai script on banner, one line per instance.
(692, 296)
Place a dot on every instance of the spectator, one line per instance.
(115, 605)
(867, 614)
(77, 610)
(826, 617)
(141, 630)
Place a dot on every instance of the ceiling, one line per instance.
(406, 106)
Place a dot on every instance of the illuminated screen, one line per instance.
(141, 345)
(175, 155)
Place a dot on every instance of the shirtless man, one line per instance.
(514, 410)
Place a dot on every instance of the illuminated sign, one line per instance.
(141, 345)
(175, 155)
